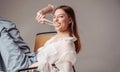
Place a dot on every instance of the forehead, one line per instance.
(60, 12)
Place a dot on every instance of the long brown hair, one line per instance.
(73, 26)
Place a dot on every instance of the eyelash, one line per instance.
(58, 16)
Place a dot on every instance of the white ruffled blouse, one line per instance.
(51, 55)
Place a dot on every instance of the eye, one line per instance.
(61, 16)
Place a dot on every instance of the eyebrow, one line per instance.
(60, 14)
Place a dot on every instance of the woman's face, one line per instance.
(61, 20)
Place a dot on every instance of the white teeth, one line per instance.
(57, 25)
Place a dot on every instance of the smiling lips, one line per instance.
(57, 24)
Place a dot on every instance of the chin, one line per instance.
(59, 30)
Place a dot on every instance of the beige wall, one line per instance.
(98, 23)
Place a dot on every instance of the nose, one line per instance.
(55, 19)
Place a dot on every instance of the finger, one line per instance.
(38, 15)
(41, 19)
(38, 18)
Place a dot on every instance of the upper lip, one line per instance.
(57, 24)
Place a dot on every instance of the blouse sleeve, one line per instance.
(68, 53)
(42, 59)
(69, 56)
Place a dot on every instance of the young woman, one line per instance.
(61, 49)
(57, 55)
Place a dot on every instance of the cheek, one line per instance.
(66, 21)
(63, 27)
(65, 24)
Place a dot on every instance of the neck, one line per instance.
(63, 34)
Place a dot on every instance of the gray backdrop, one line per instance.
(98, 23)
